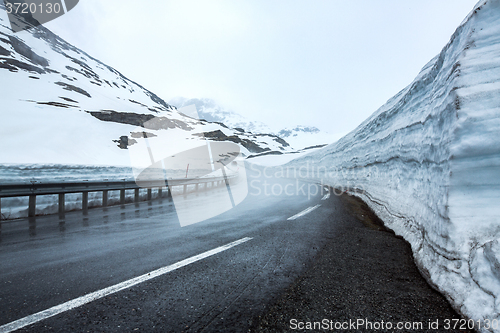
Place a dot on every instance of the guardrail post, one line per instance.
(62, 205)
(85, 203)
(105, 198)
(136, 195)
(122, 197)
(32, 206)
(84, 187)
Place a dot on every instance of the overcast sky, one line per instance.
(320, 63)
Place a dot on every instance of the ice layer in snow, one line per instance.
(428, 163)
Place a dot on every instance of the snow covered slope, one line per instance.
(428, 163)
(209, 110)
(299, 137)
(61, 106)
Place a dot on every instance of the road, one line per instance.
(46, 262)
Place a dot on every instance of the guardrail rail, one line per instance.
(84, 187)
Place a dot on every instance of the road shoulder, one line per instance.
(363, 273)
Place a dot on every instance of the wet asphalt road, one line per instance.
(48, 261)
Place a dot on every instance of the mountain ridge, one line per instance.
(299, 137)
(86, 110)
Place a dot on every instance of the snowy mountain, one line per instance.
(61, 106)
(299, 137)
(209, 110)
(287, 132)
(428, 163)
(307, 137)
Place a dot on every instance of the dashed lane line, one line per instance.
(77, 302)
(302, 213)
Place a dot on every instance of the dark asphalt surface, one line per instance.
(47, 262)
(259, 285)
(361, 274)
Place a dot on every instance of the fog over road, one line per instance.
(47, 262)
(133, 268)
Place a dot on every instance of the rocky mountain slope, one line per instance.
(59, 105)
(299, 137)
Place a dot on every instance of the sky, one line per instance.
(323, 63)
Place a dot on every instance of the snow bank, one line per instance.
(428, 163)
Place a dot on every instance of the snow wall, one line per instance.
(428, 163)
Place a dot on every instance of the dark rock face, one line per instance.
(68, 99)
(122, 117)
(70, 87)
(277, 139)
(266, 153)
(84, 70)
(24, 50)
(56, 104)
(14, 65)
(4, 52)
(313, 147)
(138, 119)
(221, 124)
(220, 136)
(27, 52)
(157, 99)
(125, 142)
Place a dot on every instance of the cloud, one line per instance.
(328, 64)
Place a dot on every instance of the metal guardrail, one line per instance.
(63, 188)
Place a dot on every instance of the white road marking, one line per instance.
(302, 213)
(34, 318)
(326, 196)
